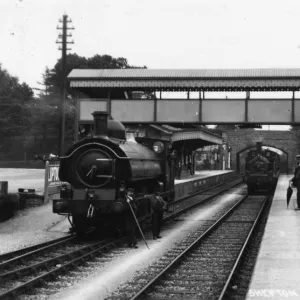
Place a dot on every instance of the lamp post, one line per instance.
(229, 156)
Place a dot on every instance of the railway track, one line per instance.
(52, 243)
(202, 265)
(219, 188)
(22, 273)
(23, 270)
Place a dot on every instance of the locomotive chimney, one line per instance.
(100, 123)
(259, 147)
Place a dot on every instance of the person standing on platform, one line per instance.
(158, 206)
(296, 181)
(189, 167)
(179, 169)
(130, 221)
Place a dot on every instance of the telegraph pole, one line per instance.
(64, 36)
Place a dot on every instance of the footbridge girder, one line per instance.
(109, 89)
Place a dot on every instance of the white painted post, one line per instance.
(229, 160)
(47, 168)
(3, 188)
(223, 163)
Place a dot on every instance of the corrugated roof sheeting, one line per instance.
(196, 135)
(191, 84)
(172, 128)
(160, 128)
(180, 134)
(182, 73)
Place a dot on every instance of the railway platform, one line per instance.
(277, 270)
(201, 180)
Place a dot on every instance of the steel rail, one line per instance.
(9, 255)
(32, 250)
(12, 293)
(242, 251)
(72, 264)
(178, 258)
(49, 262)
(28, 255)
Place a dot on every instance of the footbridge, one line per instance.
(130, 95)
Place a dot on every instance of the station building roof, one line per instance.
(192, 134)
(188, 79)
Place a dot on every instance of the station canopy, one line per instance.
(190, 134)
(188, 79)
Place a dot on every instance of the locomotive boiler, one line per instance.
(262, 169)
(101, 168)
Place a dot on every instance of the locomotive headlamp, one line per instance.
(158, 147)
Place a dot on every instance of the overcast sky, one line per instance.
(155, 33)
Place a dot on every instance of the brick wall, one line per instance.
(287, 141)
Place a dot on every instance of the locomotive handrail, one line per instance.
(104, 159)
(119, 157)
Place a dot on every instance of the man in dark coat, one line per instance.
(130, 221)
(296, 181)
(158, 206)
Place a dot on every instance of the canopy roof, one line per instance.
(187, 79)
(182, 134)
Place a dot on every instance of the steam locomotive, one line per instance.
(261, 170)
(100, 169)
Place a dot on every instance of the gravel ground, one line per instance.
(23, 178)
(29, 226)
(99, 280)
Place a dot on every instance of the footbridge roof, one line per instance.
(188, 79)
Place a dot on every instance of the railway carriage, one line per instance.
(100, 169)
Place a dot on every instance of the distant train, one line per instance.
(100, 169)
(262, 169)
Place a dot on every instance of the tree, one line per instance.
(46, 114)
(15, 99)
(75, 61)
